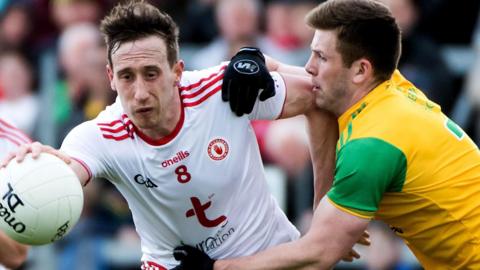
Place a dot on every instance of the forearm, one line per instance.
(275, 65)
(323, 135)
(299, 97)
(12, 254)
(332, 233)
(293, 255)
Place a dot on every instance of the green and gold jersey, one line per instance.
(401, 160)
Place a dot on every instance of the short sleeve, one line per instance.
(271, 108)
(84, 144)
(366, 168)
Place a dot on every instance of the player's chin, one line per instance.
(320, 101)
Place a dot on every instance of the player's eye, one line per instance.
(126, 76)
(152, 75)
(321, 57)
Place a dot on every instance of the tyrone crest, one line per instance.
(217, 149)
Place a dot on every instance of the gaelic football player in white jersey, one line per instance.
(189, 168)
(12, 254)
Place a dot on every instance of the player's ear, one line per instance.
(178, 68)
(362, 71)
(110, 77)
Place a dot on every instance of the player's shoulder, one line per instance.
(198, 86)
(110, 124)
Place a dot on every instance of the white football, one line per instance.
(40, 199)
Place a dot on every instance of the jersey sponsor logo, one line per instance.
(199, 211)
(246, 67)
(177, 158)
(216, 240)
(218, 149)
(144, 181)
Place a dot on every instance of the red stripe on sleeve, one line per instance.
(205, 87)
(10, 139)
(195, 103)
(191, 86)
(85, 166)
(111, 124)
(14, 132)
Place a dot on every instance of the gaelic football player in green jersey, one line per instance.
(399, 158)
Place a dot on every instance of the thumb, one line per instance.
(180, 253)
(269, 91)
(226, 84)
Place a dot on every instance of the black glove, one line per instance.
(245, 76)
(192, 259)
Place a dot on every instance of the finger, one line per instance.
(36, 149)
(354, 254)
(250, 99)
(22, 152)
(226, 89)
(7, 159)
(269, 91)
(233, 96)
(347, 258)
(237, 98)
(364, 241)
(179, 253)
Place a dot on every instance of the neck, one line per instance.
(358, 94)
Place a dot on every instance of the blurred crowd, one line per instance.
(52, 77)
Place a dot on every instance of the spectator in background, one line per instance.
(421, 59)
(66, 13)
(473, 81)
(16, 84)
(239, 24)
(286, 30)
(15, 28)
(84, 89)
(198, 25)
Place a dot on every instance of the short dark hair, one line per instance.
(365, 28)
(137, 19)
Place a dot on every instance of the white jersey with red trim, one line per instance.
(10, 138)
(202, 185)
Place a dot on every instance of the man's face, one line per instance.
(330, 78)
(145, 82)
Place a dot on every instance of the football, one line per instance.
(40, 199)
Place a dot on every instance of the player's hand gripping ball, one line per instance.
(245, 77)
(40, 199)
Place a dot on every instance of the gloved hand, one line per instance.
(246, 75)
(192, 258)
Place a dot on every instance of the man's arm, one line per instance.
(37, 148)
(275, 65)
(12, 254)
(299, 96)
(247, 80)
(332, 234)
(322, 130)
